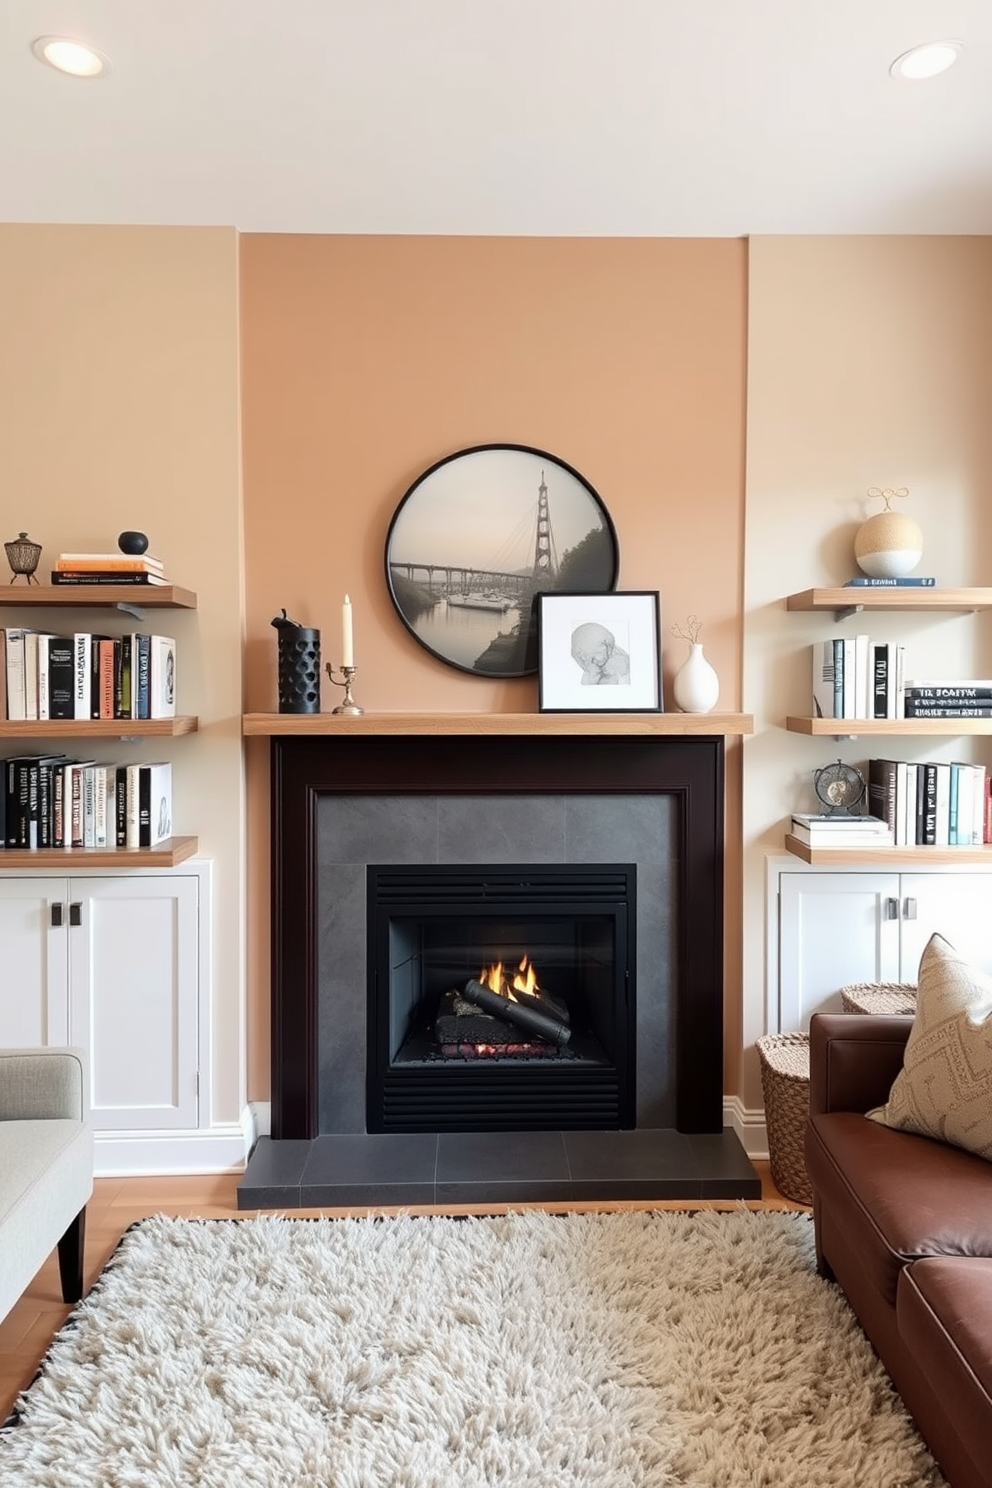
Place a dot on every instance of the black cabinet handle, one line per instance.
(75, 914)
(56, 913)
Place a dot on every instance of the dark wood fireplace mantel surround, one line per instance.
(682, 755)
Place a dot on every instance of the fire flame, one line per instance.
(524, 980)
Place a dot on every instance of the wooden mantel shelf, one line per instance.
(547, 724)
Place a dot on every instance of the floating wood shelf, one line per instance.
(167, 854)
(476, 724)
(102, 728)
(141, 596)
(887, 856)
(850, 728)
(844, 601)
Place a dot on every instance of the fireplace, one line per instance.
(501, 997)
(381, 826)
(344, 801)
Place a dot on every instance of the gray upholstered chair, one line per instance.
(46, 1167)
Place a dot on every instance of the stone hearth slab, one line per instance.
(359, 1170)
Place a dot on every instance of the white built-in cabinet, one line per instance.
(828, 928)
(112, 963)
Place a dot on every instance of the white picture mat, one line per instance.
(633, 619)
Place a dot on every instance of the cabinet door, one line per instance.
(957, 906)
(34, 992)
(834, 928)
(133, 998)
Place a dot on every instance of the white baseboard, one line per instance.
(218, 1149)
(749, 1126)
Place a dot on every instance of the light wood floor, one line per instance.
(28, 1329)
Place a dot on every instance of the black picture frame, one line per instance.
(599, 652)
(478, 536)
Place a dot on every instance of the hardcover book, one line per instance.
(60, 678)
(162, 677)
(154, 803)
(862, 581)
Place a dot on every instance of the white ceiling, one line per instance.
(551, 117)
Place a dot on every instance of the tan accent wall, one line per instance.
(869, 364)
(119, 409)
(365, 360)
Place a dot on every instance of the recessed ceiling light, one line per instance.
(926, 61)
(73, 57)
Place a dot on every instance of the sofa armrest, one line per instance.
(853, 1060)
(43, 1084)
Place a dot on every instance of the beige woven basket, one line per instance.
(884, 998)
(785, 1087)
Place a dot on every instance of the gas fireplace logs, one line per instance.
(543, 1024)
(461, 1022)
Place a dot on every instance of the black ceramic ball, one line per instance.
(133, 542)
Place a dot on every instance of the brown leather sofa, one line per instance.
(904, 1225)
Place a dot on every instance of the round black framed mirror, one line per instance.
(477, 536)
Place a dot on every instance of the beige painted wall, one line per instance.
(869, 364)
(119, 409)
(367, 359)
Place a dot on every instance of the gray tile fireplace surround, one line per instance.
(345, 1166)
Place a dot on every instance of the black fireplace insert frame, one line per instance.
(689, 768)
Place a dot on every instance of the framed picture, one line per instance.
(478, 536)
(599, 652)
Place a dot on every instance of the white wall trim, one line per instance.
(748, 1125)
(218, 1149)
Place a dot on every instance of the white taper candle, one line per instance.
(347, 635)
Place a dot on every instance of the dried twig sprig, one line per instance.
(690, 631)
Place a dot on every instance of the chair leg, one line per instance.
(71, 1258)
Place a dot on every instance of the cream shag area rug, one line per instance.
(625, 1350)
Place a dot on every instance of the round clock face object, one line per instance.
(840, 787)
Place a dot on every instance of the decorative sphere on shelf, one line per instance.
(133, 543)
(889, 545)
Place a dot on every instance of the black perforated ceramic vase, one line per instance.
(299, 669)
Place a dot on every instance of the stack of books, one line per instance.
(108, 568)
(841, 831)
(971, 698)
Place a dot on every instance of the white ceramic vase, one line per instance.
(695, 685)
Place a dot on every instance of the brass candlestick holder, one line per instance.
(347, 703)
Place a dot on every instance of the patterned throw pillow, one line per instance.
(944, 1088)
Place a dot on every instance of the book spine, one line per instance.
(880, 679)
(144, 806)
(962, 694)
(106, 693)
(882, 791)
(162, 677)
(44, 676)
(30, 674)
(120, 805)
(107, 578)
(60, 682)
(82, 669)
(58, 798)
(79, 563)
(131, 825)
(15, 675)
(76, 806)
(864, 582)
(930, 804)
(838, 645)
(143, 694)
(917, 710)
